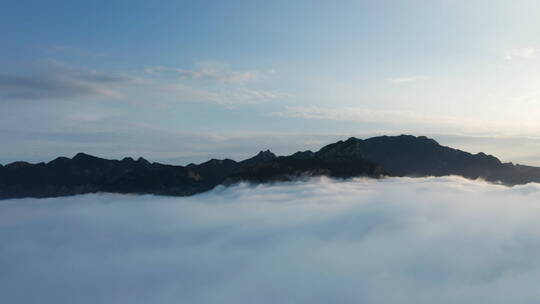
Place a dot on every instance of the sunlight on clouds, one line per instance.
(521, 53)
(528, 100)
(417, 121)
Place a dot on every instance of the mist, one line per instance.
(395, 240)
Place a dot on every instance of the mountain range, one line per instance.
(375, 157)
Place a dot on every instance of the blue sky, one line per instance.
(183, 81)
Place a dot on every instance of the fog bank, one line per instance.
(397, 240)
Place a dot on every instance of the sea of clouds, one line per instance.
(397, 240)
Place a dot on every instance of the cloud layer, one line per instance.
(433, 240)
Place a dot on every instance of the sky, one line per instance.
(184, 81)
(397, 240)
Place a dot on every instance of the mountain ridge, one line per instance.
(376, 157)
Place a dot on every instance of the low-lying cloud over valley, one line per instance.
(429, 240)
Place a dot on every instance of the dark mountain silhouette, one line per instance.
(407, 155)
(375, 157)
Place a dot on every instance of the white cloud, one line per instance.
(209, 70)
(432, 240)
(227, 95)
(213, 82)
(413, 121)
(521, 53)
(399, 80)
(532, 99)
(366, 115)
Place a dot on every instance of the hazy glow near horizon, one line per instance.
(113, 77)
(426, 240)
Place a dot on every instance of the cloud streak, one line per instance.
(213, 82)
(60, 81)
(210, 70)
(407, 79)
(432, 240)
(521, 53)
(208, 82)
(227, 95)
(415, 120)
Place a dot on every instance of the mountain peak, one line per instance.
(349, 149)
(83, 156)
(262, 156)
(139, 161)
(266, 154)
(142, 160)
